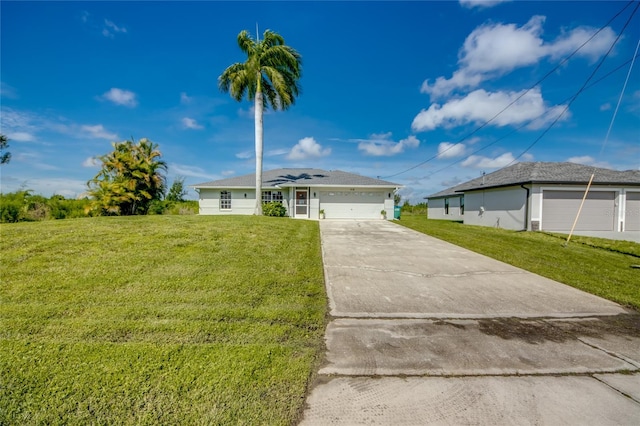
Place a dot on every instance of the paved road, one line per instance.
(425, 332)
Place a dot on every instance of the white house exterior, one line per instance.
(303, 192)
(544, 196)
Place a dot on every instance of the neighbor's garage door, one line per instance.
(632, 212)
(559, 209)
(351, 204)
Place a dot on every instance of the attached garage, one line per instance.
(342, 204)
(559, 210)
(632, 212)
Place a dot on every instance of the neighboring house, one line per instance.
(544, 196)
(303, 192)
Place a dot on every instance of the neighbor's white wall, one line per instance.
(437, 211)
(503, 208)
(435, 208)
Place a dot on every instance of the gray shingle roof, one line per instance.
(298, 177)
(541, 172)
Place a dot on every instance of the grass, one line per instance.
(159, 320)
(595, 265)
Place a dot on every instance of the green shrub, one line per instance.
(10, 209)
(274, 209)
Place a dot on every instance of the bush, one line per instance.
(274, 209)
(23, 206)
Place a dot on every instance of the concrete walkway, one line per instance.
(425, 332)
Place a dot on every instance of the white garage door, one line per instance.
(352, 204)
(632, 212)
(559, 210)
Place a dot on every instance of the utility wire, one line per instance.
(615, 113)
(566, 108)
(525, 124)
(593, 173)
(521, 95)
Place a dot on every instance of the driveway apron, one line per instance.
(425, 332)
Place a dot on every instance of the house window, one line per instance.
(446, 206)
(461, 206)
(270, 196)
(225, 200)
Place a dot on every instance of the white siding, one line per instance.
(210, 201)
(498, 207)
(242, 201)
(632, 211)
(437, 210)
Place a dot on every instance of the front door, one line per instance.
(302, 205)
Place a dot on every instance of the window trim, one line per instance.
(273, 196)
(225, 200)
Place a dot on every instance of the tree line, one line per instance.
(131, 181)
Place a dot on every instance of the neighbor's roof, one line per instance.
(298, 177)
(540, 172)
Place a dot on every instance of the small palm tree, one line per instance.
(130, 179)
(269, 77)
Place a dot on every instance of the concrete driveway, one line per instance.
(425, 332)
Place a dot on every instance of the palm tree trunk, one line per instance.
(259, 141)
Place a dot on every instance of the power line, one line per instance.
(522, 94)
(525, 124)
(579, 92)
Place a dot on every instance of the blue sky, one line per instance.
(390, 89)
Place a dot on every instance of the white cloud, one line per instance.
(244, 155)
(21, 137)
(605, 107)
(451, 150)
(109, 28)
(567, 42)
(307, 148)
(451, 182)
(190, 123)
(47, 186)
(121, 97)
(7, 91)
(185, 99)
(480, 4)
(380, 145)
(480, 162)
(98, 132)
(228, 172)
(91, 162)
(24, 126)
(480, 106)
(589, 161)
(492, 50)
(190, 171)
(276, 152)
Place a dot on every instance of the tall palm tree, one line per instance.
(269, 77)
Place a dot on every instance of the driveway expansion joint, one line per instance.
(423, 275)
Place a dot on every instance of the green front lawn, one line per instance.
(159, 320)
(598, 266)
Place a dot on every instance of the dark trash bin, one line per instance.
(396, 212)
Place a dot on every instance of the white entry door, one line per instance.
(302, 203)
